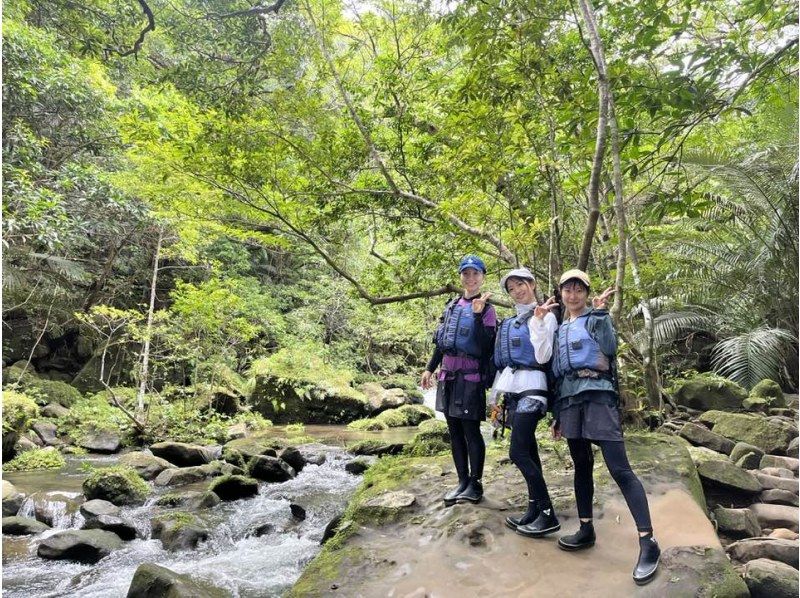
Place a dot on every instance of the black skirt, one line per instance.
(596, 417)
(461, 398)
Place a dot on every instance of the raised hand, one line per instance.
(600, 302)
(479, 303)
(540, 311)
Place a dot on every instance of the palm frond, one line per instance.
(752, 356)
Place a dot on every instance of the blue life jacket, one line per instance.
(456, 335)
(513, 345)
(578, 350)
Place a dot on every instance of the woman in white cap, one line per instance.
(586, 408)
(522, 354)
(463, 347)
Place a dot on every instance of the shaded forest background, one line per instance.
(194, 191)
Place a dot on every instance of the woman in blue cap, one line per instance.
(522, 354)
(584, 356)
(463, 348)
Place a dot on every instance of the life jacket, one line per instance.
(578, 350)
(456, 332)
(513, 344)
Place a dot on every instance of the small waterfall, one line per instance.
(59, 510)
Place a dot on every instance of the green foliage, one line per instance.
(94, 414)
(19, 411)
(39, 458)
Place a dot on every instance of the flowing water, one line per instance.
(232, 558)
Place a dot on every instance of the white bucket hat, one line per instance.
(523, 273)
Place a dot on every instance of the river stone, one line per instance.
(384, 507)
(33, 437)
(84, 546)
(147, 466)
(241, 450)
(789, 463)
(54, 410)
(779, 497)
(293, 457)
(96, 507)
(271, 469)
(298, 512)
(699, 572)
(381, 399)
(741, 449)
(707, 392)
(111, 523)
(234, 487)
(770, 435)
(784, 534)
(178, 531)
(774, 516)
(183, 454)
(771, 481)
(376, 448)
(766, 578)
(794, 448)
(117, 487)
(778, 472)
(46, 431)
(776, 549)
(749, 461)
(236, 431)
(101, 441)
(191, 500)
(756, 404)
(737, 523)
(701, 454)
(702, 436)
(330, 529)
(23, 526)
(357, 466)
(728, 475)
(180, 476)
(155, 581)
(24, 444)
(12, 499)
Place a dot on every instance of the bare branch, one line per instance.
(151, 25)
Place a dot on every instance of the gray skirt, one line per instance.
(591, 419)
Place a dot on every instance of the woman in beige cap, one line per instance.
(586, 409)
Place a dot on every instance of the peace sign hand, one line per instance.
(601, 301)
(479, 303)
(540, 311)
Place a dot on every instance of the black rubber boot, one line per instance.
(583, 538)
(472, 493)
(545, 523)
(528, 517)
(450, 497)
(646, 566)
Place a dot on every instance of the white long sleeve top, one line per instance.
(521, 380)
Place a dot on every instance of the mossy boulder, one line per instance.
(433, 438)
(39, 458)
(767, 392)
(770, 435)
(146, 465)
(241, 450)
(12, 499)
(766, 578)
(729, 476)
(737, 523)
(191, 500)
(118, 485)
(697, 571)
(54, 391)
(297, 386)
(375, 447)
(183, 454)
(19, 411)
(178, 530)
(368, 424)
(707, 391)
(151, 580)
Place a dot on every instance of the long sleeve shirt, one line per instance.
(510, 380)
(601, 329)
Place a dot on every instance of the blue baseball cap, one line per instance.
(471, 261)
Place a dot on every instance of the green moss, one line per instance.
(416, 414)
(91, 415)
(393, 418)
(295, 429)
(368, 424)
(365, 447)
(177, 519)
(54, 391)
(244, 480)
(40, 458)
(329, 564)
(432, 439)
(171, 499)
(19, 411)
(769, 392)
(117, 484)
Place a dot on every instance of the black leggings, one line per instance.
(617, 462)
(524, 453)
(466, 442)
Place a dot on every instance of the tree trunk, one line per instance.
(143, 374)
